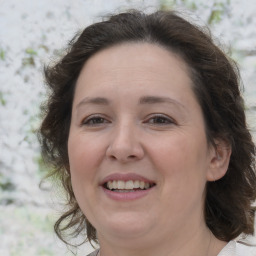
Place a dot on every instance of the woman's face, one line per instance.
(138, 153)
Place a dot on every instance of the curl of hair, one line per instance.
(228, 203)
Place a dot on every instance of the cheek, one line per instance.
(183, 178)
(82, 160)
(84, 154)
(182, 162)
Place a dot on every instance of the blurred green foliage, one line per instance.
(2, 100)
(38, 225)
(42, 167)
(2, 54)
(219, 8)
(170, 4)
(6, 184)
(29, 59)
(31, 51)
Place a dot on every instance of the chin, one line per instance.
(125, 226)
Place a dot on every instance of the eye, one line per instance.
(94, 120)
(160, 119)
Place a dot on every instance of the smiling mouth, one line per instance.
(127, 186)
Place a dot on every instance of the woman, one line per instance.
(146, 129)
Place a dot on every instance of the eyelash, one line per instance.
(94, 120)
(160, 120)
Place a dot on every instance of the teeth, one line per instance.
(147, 185)
(120, 184)
(136, 184)
(127, 185)
(110, 185)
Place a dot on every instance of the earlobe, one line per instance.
(219, 160)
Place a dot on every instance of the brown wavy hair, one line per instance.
(216, 84)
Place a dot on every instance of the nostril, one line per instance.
(123, 158)
(128, 150)
(132, 156)
(112, 157)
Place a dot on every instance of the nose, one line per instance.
(125, 145)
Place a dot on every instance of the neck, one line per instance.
(197, 243)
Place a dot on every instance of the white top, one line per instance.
(234, 248)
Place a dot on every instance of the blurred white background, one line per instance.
(34, 32)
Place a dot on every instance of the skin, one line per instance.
(162, 140)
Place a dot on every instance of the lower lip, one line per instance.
(123, 196)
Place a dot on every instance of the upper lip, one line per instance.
(126, 177)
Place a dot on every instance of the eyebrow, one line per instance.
(96, 101)
(143, 100)
(157, 99)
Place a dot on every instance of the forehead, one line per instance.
(138, 52)
(134, 61)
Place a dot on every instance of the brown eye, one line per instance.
(160, 120)
(94, 121)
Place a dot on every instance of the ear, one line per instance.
(219, 160)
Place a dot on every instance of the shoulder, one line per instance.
(244, 249)
(234, 248)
